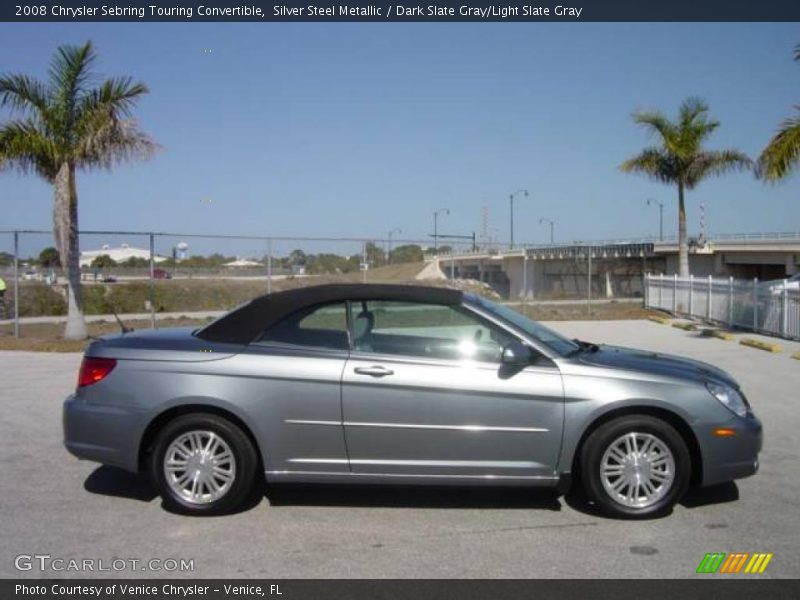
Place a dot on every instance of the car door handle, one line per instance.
(374, 371)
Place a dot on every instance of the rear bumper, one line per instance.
(729, 458)
(101, 433)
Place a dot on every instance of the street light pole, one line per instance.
(650, 201)
(511, 207)
(552, 228)
(436, 213)
(389, 246)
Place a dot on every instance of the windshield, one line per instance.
(555, 341)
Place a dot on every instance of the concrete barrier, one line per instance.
(719, 334)
(767, 346)
(661, 320)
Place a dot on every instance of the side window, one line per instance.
(425, 330)
(317, 327)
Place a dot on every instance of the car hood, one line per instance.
(656, 363)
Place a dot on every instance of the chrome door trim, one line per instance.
(469, 428)
(415, 476)
(466, 428)
(497, 464)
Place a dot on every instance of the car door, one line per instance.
(424, 393)
(296, 369)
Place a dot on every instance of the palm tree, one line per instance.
(782, 154)
(680, 160)
(64, 125)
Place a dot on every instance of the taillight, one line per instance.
(94, 370)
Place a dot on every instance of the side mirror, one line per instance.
(516, 353)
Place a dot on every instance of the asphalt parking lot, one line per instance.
(56, 505)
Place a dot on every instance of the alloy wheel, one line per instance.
(199, 466)
(637, 469)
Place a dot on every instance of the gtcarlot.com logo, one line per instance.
(46, 562)
(736, 562)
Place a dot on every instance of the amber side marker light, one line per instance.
(94, 370)
(724, 432)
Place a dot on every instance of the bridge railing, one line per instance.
(654, 241)
(771, 307)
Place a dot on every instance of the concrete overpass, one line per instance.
(563, 270)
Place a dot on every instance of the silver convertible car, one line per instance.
(403, 384)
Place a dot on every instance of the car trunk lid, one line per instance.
(173, 344)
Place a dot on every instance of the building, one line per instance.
(118, 255)
(242, 263)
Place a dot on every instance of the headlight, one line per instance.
(729, 397)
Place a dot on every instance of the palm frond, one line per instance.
(656, 124)
(715, 162)
(70, 68)
(782, 154)
(23, 93)
(694, 126)
(117, 95)
(690, 109)
(24, 146)
(111, 141)
(653, 162)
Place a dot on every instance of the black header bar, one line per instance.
(406, 589)
(397, 11)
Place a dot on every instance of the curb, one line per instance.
(685, 326)
(767, 346)
(719, 334)
(660, 320)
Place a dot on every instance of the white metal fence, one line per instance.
(769, 307)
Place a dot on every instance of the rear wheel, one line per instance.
(203, 464)
(635, 467)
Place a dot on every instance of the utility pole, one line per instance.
(650, 202)
(589, 281)
(16, 286)
(269, 266)
(436, 214)
(389, 245)
(511, 207)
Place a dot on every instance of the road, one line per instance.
(54, 504)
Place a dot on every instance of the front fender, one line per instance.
(589, 399)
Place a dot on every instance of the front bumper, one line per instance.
(102, 433)
(729, 458)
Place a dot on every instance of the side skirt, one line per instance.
(402, 479)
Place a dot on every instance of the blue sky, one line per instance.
(355, 129)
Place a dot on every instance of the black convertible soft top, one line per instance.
(246, 323)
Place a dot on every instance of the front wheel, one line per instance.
(203, 464)
(635, 467)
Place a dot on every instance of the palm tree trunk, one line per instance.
(683, 242)
(65, 228)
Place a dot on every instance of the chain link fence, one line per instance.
(147, 274)
(771, 307)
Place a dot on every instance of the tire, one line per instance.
(203, 464)
(635, 467)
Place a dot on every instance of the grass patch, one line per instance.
(610, 311)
